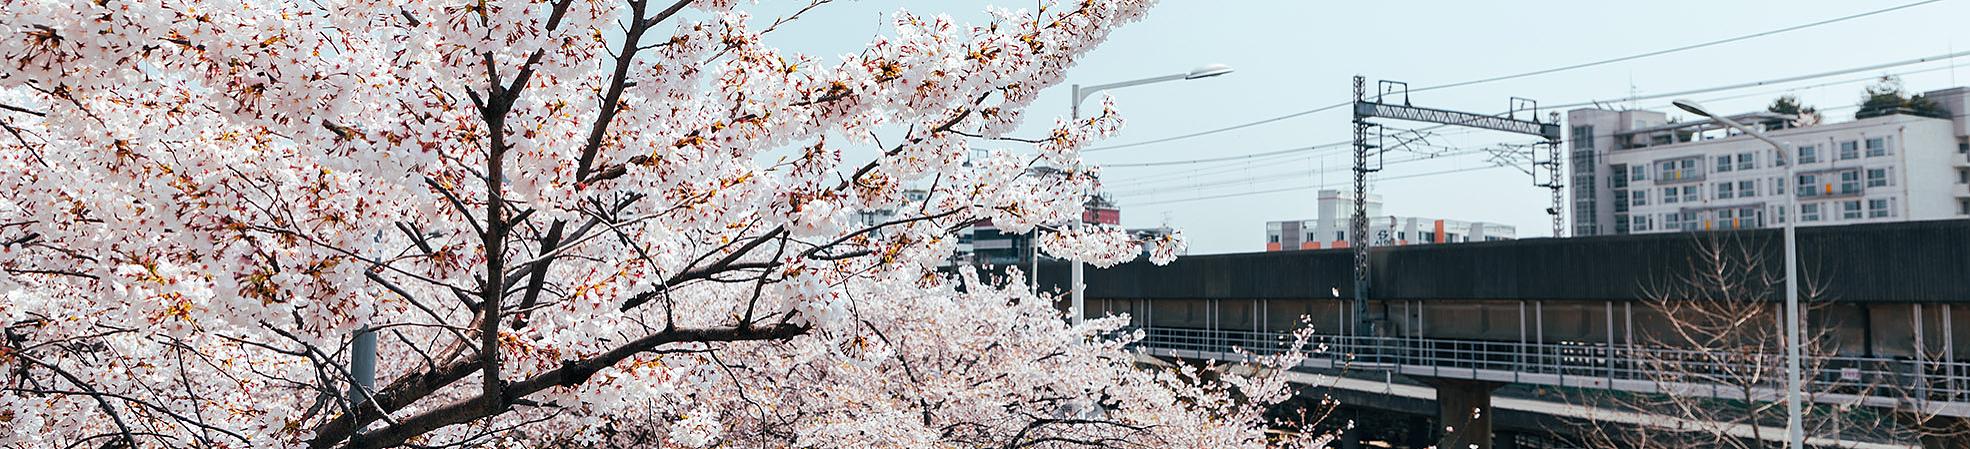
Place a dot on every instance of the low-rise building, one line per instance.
(1336, 210)
(988, 245)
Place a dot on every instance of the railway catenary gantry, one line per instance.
(1383, 106)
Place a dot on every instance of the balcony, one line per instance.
(1960, 190)
(1678, 177)
(1833, 191)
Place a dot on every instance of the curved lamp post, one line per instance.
(1082, 93)
(1794, 427)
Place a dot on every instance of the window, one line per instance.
(1692, 194)
(1638, 198)
(1809, 154)
(1340, 235)
(1809, 212)
(1641, 223)
(1747, 161)
(1672, 220)
(1850, 150)
(1877, 208)
(1620, 204)
(1583, 137)
(1877, 147)
(1877, 177)
(1850, 210)
(1963, 207)
(1724, 164)
(1963, 176)
(1809, 185)
(1638, 173)
(1747, 189)
(1724, 190)
(1779, 212)
(1752, 217)
(1963, 148)
(1678, 169)
(1669, 195)
(1850, 182)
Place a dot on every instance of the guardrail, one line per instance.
(1887, 381)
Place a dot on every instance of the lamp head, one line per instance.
(1693, 108)
(1207, 71)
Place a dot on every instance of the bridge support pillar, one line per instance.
(1504, 440)
(1418, 433)
(1464, 412)
(1939, 432)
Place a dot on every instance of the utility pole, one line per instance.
(1358, 224)
(362, 365)
(1552, 184)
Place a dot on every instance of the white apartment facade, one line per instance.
(1635, 172)
(1336, 210)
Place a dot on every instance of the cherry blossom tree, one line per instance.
(616, 223)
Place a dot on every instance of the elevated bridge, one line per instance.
(1590, 312)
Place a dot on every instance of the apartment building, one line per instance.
(1336, 210)
(1636, 171)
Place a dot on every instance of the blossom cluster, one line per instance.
(566, 223)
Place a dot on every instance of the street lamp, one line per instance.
(1082, 93)
(1794, 428)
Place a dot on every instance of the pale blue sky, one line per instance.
(1293, 56)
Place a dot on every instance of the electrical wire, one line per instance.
(1289, 175)
(1521, 75)
(1677, 49)
(1324, 186)
(1941, 57)
(1275, 176)
(1936, 58)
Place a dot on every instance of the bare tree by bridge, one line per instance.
(1710, 346)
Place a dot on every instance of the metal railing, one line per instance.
(1595, 365)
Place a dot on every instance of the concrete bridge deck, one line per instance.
(1581, 312)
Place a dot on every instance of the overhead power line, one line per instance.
(1261, 179)
(1301, 188)
(1525, 74)
(1773, 81)
(1224, 129)
(1220, 159)
(1744, 85)
(1272, 176)
(1677, 49)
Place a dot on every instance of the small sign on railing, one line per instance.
(1850, 374)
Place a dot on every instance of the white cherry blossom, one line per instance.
(567, 223)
